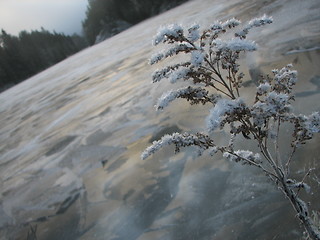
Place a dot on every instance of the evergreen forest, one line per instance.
(31, 52)
(105, 18)
(28, 53)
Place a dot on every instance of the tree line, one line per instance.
(105, 18)
(31, 52)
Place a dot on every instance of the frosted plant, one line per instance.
(213, 71)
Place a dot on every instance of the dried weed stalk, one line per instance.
(213, 70)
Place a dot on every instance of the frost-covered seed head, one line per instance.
(223, 107)
(263, 88)
(170, 32)
(197, 58)
(199, 140)
(235, 44)
(231, 23)
(256, 22)
(180, 73)
(193, 33)
(194, 95)
(242, 155)
(156, 58)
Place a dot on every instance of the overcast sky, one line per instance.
(59, 15)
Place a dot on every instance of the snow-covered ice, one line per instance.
(71, 139)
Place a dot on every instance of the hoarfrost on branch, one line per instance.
(212, 70)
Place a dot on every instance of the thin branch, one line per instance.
(276, 144)
(287, 166)
(230, 82)
(254, 164)
(235, 83)
(302, 181)
(219, 90)
(221, 78)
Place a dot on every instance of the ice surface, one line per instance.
(71, 139)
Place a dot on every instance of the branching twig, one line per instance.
(218, 69)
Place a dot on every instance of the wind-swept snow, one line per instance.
(71, 138)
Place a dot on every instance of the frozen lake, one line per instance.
(71, 139)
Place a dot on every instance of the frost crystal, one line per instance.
(193, 33)
(171, 95)
(231, 23)
(213, 151)
(173, 31)
(179, 74)
(194, 95)
(165, 72)
(313, 123)
(285, 79)
(223, 107)
(235, 44)
(180, 140)
(156, 58)
(170, 52)
(156, 145)
(197, 57)
(263, 88)
(303, 185)
(306, 126)
(256, 22)
(242, 155)
(160, 74)
(275, 103)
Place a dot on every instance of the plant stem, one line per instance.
(301, 209)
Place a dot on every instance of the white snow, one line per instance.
(235, 44)
(222, 107)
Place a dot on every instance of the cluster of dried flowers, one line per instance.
(213, 70)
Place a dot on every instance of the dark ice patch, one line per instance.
(84, 80)
(27, 116)
(63, 102)
(315, 80)
(248, 83)
(256, 75)
(128, 194)
(97, 137)
(104, 112)
(148, 204)
(60, 145)
(116, 164)
(67, 203)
